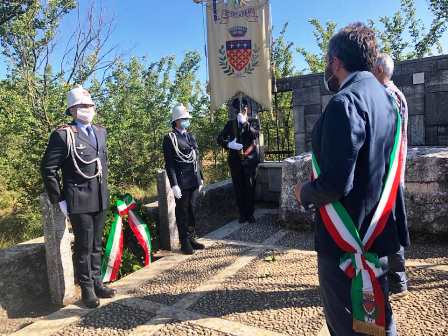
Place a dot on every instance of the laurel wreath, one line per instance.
(224, 63)
(254, 60)
(227, 68)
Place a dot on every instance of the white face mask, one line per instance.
(85, 114)
(241, 118)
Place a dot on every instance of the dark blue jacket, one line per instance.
(352, 141)
(181, 173)
(82, 195)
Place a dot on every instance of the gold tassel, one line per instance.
(368, 328)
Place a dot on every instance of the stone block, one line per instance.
(300, 142)
(426, 190)
(416, 130)
(58, 253)
(295, 170)
(24, 280)
(310, 121)
(438, 78)
(418, 78)
(431, 137)
(307, 96)
(404, 79)
(275, 178)
(436, 108)
(169, 236)
(311, 80)
(313, 109)
(299, 118)
(215, 206)
(416, 104)
(442, 64)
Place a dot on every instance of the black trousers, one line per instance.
(184, 214)
(398, 281)
(335, 291)
(88, 231)
(243, 180)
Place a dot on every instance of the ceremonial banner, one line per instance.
(239, 50)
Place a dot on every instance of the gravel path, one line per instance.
(173, 285)
(113, 319)
(187, 329)
(280, 295)
(242, 287)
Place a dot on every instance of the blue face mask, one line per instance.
(185, 123)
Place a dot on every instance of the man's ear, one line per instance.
(337, 64)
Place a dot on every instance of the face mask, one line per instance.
(184, 124)
(241, 118)
(330, 80)
(85, 114)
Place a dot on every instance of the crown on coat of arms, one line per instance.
(238, 31)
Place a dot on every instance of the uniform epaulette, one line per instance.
(64, 126)
(99, 126)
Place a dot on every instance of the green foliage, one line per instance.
(404, 36)
(322, 34)
(11, 9)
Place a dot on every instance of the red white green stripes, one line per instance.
(358, 264)
(114, 247)
(114, 251)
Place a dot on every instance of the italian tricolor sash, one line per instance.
(114, 247)
(358, 263)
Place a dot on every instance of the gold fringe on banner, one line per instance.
(368, 328)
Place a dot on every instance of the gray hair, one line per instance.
(385, 62)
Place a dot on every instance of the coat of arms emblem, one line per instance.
(238, 56)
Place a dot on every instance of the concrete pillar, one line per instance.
(169, 236)
(58, 252)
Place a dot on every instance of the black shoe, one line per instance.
(242, 220)
(104, 292)
(89, 297)
(185, 247)
(251, 220)
(196, 245)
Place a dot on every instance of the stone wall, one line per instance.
(269, 182)
(424, 83)
(426, 190)
(23, 280)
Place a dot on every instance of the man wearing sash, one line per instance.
(356, 175)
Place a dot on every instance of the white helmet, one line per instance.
(180, 112)
(78, 95)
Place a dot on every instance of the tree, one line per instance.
(322, 34)
(11, 9)
(404, 36)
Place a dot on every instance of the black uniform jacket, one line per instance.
(246, 135)
(352, 141)
(82, 195)
(180, 173)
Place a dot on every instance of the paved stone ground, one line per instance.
(250, 280)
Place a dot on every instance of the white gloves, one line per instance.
(201, 186)
(63, 207)
(235, 145)
(177, 192)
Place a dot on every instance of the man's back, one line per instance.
(359, 123)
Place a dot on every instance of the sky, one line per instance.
(171, 27)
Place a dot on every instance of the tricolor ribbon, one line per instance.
(114, 247)
(358, 263)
